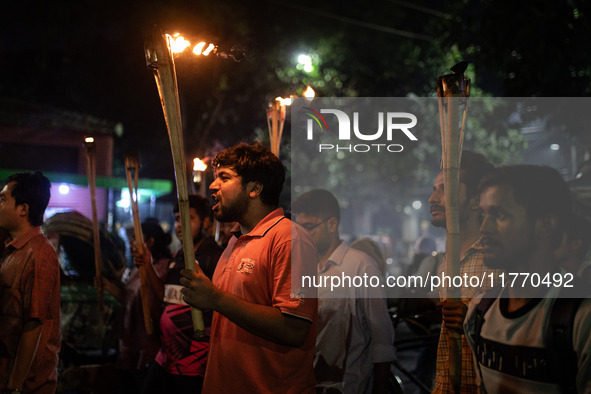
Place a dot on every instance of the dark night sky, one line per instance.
(88, 56)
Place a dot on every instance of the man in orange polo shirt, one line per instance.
(263, 330)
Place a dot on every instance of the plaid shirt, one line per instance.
(30, 290)
(472, 265)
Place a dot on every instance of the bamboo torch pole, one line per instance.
(132, 165)
(276, 120)
(160, 59)
(276, 112)
(91, 175)
(453, 93)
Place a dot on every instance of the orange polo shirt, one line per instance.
(257, 268)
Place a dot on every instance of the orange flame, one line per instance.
(177, 43)
(309, 93)
(208, 50)
(199, 165)
(285, 101)
(198, 49)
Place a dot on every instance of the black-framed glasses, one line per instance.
(312, 226)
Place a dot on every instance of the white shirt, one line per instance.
(354, 328)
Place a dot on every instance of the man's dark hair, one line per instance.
(151, 228)
(474, 168)
(578, 227)
(199, 203)
(319, 203)
(255, 163)
(540, 190)
(33, 189)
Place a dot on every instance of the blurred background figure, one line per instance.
(355, 336)
(574, 249)
(89, 337)
(225, 233)
(419, 309)
(136, 348)
(373, 250)
(425, 248)
(179, 365)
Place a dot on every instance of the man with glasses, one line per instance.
(355, 340)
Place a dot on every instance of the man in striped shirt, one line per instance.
(473, 168)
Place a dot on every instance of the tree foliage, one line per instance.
(88, 56)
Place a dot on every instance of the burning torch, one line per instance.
(276, 112)
(159, 57)
(453, 91)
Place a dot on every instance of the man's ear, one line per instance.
(332, 224)
(23, 210)
(254, 189)
(150, 242)
(546, 226)
(475, 202)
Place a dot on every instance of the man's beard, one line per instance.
(515, 260)
(464, 210)
(234, 211)
(438, 222)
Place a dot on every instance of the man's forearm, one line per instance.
(264, 321)
(27, 348)
(155, 282)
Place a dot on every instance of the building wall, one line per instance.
(77, 199)
(52, 150)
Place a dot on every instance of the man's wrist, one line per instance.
(217, 300)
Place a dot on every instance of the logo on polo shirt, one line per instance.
(246, 266)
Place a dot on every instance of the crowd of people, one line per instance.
(268, 330)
